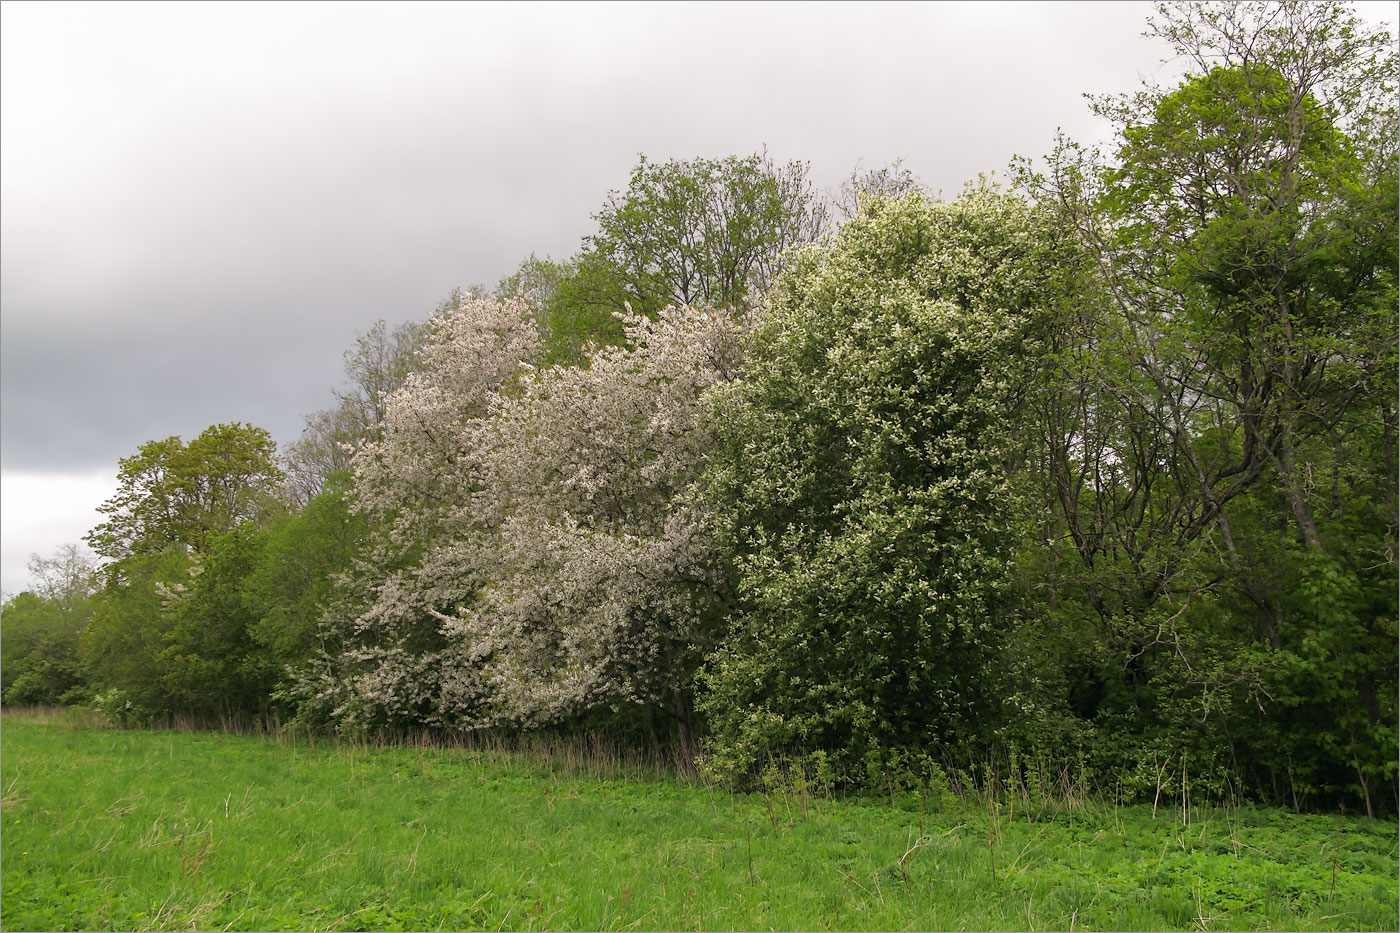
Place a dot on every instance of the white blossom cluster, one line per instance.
(601, 582)
(383, 659)
(539, 554)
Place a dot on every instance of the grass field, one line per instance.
(108, 829)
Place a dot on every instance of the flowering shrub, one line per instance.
(862, 471)
(384, 660)
(602, 583)
(540, 554)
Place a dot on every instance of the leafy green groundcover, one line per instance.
(109, 829)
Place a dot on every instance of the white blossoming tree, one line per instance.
(384, 658)
(539, 557)
(603, 586)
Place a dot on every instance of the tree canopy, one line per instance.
(863, 470)
(172, 494)
(1097, 472)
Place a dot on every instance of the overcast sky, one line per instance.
(202, 203)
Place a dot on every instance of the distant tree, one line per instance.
(175, 495)
(375, 368)
(538, 281)
(564, 299)
(698, 232)
(40, 658)
(67, 578)
(708, 232)
(888, 182)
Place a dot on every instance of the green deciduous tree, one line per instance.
(123, 646)
(564, 299)
(703, 232)
(1219, 412)
(209, 661)
(706, 232)
(217, 635)
(40, 657)
(300, 558)
(171, 494)
(147, 650)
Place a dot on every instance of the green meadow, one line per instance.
(168, 830)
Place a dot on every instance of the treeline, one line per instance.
(1095, 473)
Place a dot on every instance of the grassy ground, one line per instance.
(107, 829)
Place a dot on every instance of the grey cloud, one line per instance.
(203, 204)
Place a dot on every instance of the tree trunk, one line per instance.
(1302, 512)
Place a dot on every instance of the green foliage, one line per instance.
(176, 495)
(40, 663)
(576, 304)
(40, 658)
(299, 558)
(1213, 465)
(706, 232)
(210, 662)
(701, 232)
(214, 637)
(864, 485)
(124, 645)
(172, 631)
